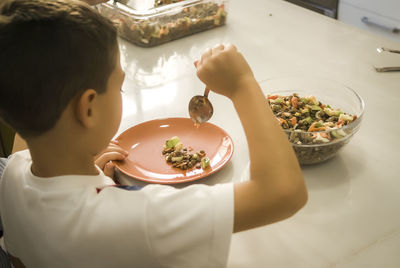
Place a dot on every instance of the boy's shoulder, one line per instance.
(15, 161)
(23, 155)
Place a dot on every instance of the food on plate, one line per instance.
(316, 130)
(182, 157)
(158, 27)
(205, 162)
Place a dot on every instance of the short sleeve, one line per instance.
(190, 227)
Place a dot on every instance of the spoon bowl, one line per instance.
(200, 108)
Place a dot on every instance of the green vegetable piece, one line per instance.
(331, 112)
(336, 135)
(316, 108)
(178, 146)
(177, 158)
(277, 100)
(172, 142)
(205, 162)
(308, 120)
(305, 110)
(318, 124)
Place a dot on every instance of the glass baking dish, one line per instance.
(164, 22)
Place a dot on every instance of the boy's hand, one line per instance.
(113, 152)
(223, 69)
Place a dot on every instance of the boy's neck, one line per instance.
(53, 157)
(52, 162)
(48, 165)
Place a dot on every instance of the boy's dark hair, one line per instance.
(50, 52)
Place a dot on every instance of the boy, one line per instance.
(60, 81)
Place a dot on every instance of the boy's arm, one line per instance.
(276, 189)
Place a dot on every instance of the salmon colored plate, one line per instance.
(145, 142)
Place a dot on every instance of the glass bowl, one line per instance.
(318, 146)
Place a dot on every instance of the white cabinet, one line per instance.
(379, 16)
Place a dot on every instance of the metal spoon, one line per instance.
(381, 49)
(387, 69)
(200, 108)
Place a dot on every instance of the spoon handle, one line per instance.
(392, 50)
(387, 69)
(381, 49)
(206, 91)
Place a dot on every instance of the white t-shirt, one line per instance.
(74, 221)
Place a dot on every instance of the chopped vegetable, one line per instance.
(308, 120)
(346, 117)
(316, 108)
(276, 100)
(331, 112)
(316, 126)
(172, 142)
(294, 101)
(338, 134)
(272, 97)
(205, 162)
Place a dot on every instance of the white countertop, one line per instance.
(352, 218)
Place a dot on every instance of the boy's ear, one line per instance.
(85, 108)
